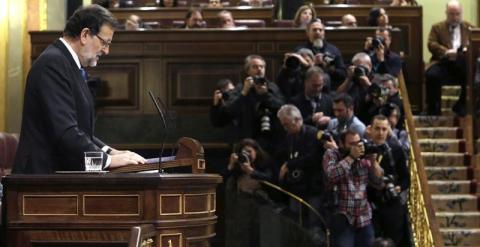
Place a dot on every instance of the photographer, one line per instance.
(300, 172)
(390, 203)
(348, 173)
(291, 75)
(219, 116)
(359, 77)
(315, 106)
(344, 118)
(384, 61)
(327, 56)
(244, 193)
(254, 105)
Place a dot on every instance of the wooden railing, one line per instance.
(422, 215)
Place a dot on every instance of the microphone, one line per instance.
(170, 120)
(164, 136)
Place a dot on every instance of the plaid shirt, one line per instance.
(351, 178)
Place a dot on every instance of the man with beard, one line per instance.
(327, 56)
(344, 118)
(254, 105)
(447, 42)
(194, 19)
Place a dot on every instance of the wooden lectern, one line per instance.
(100, 209)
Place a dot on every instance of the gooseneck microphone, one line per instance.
(164, 134)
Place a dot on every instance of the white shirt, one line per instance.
(77, 61)
(456, 36)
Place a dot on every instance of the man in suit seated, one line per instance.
(194, 19)
(447, 42)
(58, 117)
(225, 19)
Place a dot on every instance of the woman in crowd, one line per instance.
(378, 18)
(305, 14)
(168, 3)
(244, 194)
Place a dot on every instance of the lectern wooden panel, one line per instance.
(99, 209)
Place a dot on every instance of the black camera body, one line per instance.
(377, 91)
(243, 157)
(377, 41)
(328, 59)
(359, 71)
(389, 193)
(292, 63)
(264, 115)
(324, 136)
(372, 148)
(258, 80)
(387, 109)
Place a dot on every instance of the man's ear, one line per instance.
(83, 35)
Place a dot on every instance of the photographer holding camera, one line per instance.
(254, 105)
(348, 171)
(291, 75)
(390, 203)
(384, 61)
(359, 77)
(315, 106)
(244, 193)
(327, 56)
(219, 116)
(300, 156)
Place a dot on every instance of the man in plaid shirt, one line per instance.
(348, 173)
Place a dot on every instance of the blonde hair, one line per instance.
(296, 19)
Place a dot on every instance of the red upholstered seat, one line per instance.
(8, 148)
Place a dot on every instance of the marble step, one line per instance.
(442, 145)
(449, 101)
(445, 159)
(458, 219)
(454, 203)
(461, 237)
(439, 132)
(450, 186)
(451, 90)
(448, 173)
(435, 121)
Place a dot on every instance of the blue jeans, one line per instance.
(346, 235)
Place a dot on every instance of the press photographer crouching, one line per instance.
(348, 171)
(390, 203)
(244, 193)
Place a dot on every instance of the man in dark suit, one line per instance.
(58, 117)
(447, 42)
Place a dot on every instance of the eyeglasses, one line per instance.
(105, 44)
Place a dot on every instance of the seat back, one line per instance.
(250, 23)
(282, 23)
(8, 148)
(142, 236)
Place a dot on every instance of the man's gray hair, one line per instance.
(306, 51)
(289, 111)
(360, 56)
(248, 61)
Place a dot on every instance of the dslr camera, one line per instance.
(292, 63)
(376, 91)
(324, 136)
(264, 114)
(377, 41)
(328, 59)
(258, 80)
(390, 193)
(242, 158)
(371, 148)
(359, 71)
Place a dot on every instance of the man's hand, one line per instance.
(319, 60)
(368, 44)
(316, 116)
(232, 161)
(380, 53)
(330, 144)
(357, 151)
(283, 171)
(217, 97)
(247, 84)
(451, 54)
(261, 89)
(125, 158)
(247, 167)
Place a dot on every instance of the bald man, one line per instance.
(349, 20)
(447, 42)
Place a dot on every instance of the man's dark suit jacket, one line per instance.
(325, 105)
(58, 117)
